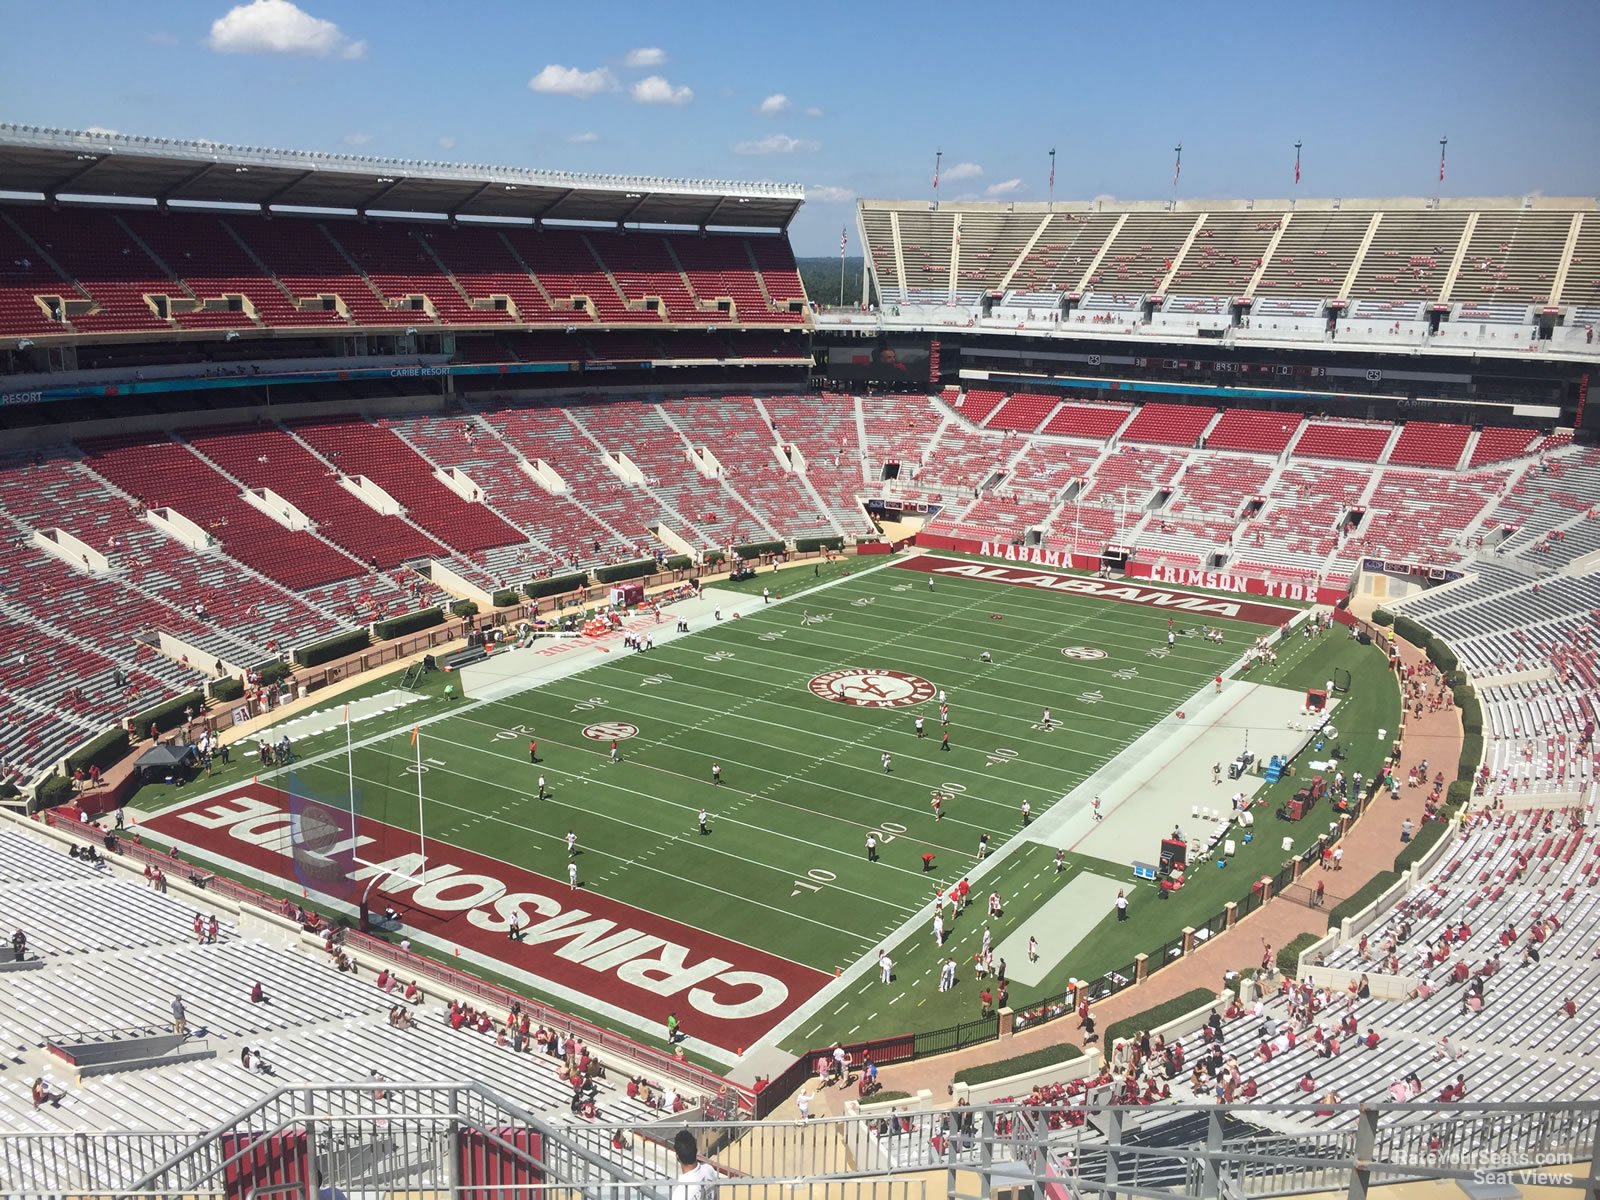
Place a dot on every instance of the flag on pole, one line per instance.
(347, 714)
(1177, 165)
(1441, 166)
(844, 240)
(1297, 166)
(415, 730)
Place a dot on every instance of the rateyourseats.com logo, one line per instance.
(1504, 1168)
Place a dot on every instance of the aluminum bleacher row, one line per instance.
(138, 271)
(116, 953)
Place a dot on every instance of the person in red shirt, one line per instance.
(533, 751)
(1371, 1040)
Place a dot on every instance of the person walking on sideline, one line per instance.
(572, 876)
(543, 791)
(1033, 949)
(716, 774)
(572, 844)
(872, 848)
(1122, 905)
(705, 829)
(533, 750)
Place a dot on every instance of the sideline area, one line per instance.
(1370, 847)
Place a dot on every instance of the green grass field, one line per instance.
(785, 867)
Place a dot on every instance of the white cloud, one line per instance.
(103, 131)
(827, 193)
(653, 89)
(773, 104)
(813, 111)
(586, 138)
(357, 139)
(556, 80)
(776, 143)
(1003, 189)
(447, 143)
(646, 56)
(278, 27)
(161, 38)
(963, 170)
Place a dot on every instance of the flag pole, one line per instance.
(1177, 169)
(1296, 172)
(844, 236)
(938, 157)
(422, 838)
(1052, 206)
(1438, 190)
(350, 769)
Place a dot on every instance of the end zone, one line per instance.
(1194, 603)
(585, 949)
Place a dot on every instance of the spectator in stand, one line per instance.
(19, 945)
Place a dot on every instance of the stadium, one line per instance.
(509, 690)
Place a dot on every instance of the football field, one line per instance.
(797, 702)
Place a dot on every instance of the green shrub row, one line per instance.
(1288, 959)
(756, 549)
(229, 687)
(1375, 887)
(617, 572)
(679, 562)
(556, 585)
(169, 714)
(464, 608)
(1156, 1016)
(1383, 617)
(1034, 1060)
(1412, 632)
(399, 626)
(807, 545)
(1471, 731)
(271, 672)
(1458, 793)
(506, 597)
(1421, 841)
(340, 645)
(57, 789)
(711, 557)
(101, 751)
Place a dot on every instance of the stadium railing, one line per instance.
(465, 1140)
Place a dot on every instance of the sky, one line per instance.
(854, 99)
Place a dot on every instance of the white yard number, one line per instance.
(424, 766)
(888, 831)
(813, 881)
(946, 791)
(862, 601)
(719, 656)
(1127, 673)
(653, 680)
(1000, 757)
(1158, 652)
(1091, 697)
(514, 733)
(771, 635)
(591, 703)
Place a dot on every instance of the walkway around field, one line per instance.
(1369, 850)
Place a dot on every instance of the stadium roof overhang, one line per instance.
(55, 162)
